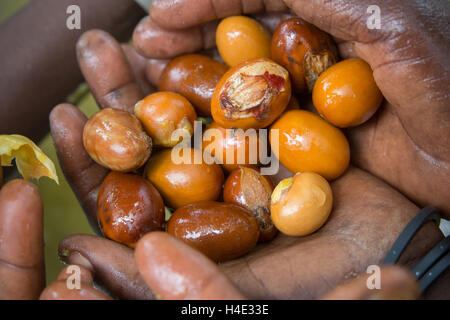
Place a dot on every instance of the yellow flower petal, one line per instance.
(30, 160)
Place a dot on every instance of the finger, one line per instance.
(112, 263)
(282, 173)
(83, 174)
(214, 54)
(346, 48)
(66, 286)
(138, 66)
(154, 69)
(21, 241)
(396, 283)
(176, 271)
(341, 18)
(107, 71)
(152, 41)
(183, 14)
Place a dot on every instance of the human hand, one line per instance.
(22, 262)
(406, 142)
(188, 274)
(359, 232)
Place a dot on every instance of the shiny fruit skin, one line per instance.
(116, 140)
(195, 77)
(301, 204)
(304, 50)
(247, 188)
(251, 95)
(128, 207)
(234, 141)
(307, 143)
(182, 184)
(164, 112)
(346, 94)
(221, 231)
(241, 38)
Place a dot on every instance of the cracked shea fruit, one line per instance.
(183, 177)
(221, 231)
(128, 207)
(307, 143)
(304, 50)
(162, 113)
(346, 94)
(302, 204)
(251, 95)
(241, 38)
(195, 77)
(249, 189)
(116, 140)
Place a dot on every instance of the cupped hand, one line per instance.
(407, 153)
(22, 272)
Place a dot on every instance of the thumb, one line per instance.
(176, 271)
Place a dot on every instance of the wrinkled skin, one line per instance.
(403, 149)
(22, 273)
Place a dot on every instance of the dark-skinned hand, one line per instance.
(22, 274)
(400, 158)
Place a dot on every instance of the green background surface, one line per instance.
(62, 213)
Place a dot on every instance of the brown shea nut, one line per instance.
(185, 182)
(116, 140)
(162, 113)
(195, 77)
(249, 189)
(251, 95)
(304, 50)
(221, 231)
(128, 207)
